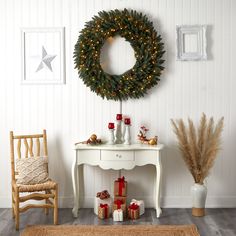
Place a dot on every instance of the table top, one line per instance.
(121, 147)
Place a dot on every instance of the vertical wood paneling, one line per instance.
(71, 112)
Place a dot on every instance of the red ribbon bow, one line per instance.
(118, 202)
(133, 206)
(121, 184)
(122, 179)
(103, 195)
(105, 206)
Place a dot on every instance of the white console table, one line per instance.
(116, 157)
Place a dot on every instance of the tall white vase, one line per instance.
(199, 193)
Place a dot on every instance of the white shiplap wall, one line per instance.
(71, 112)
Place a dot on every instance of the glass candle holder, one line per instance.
(111, 127)
(118, 139)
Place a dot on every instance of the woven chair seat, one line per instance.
(35, 187)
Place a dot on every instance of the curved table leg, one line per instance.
(158, 184)
(75, 182)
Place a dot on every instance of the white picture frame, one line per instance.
(191, 42)
(43, 55)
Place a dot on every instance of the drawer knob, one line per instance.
(119, 156)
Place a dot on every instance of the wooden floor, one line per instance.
(217, 222)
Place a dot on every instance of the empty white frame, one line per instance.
(191, 42)
(43, 55)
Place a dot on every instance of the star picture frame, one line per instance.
(43, 55)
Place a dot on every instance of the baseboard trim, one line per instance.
(166, 202)
(211, 202)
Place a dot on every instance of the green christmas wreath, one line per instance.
(140, 33)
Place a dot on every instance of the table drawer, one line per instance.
(117, 155)
(88, 156)
(144, 157)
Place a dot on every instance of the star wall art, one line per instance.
(43, 56)
(46, 60)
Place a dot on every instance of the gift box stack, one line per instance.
(140, 203)
(119, 204)
(133, 211)
(103, 204)
(136, 209)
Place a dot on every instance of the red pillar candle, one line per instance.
(111, 126)
(118, 116)
(127, 121)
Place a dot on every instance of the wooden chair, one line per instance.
(47, 191)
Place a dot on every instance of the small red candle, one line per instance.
(119, 117)
(127, 121)
(111, 126)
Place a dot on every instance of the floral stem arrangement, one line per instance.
(142, 133)
(199, 146)
(143, 138)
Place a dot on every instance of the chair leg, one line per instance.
(46, 210)
(56, 205)
(17, 216)
(13, 204)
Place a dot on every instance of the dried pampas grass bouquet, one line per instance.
(199, 145)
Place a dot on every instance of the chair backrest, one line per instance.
(32, 147)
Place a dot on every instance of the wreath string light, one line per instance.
(148, 47)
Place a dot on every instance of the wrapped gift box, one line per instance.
(119, 204)
(98, 201)
(120, 187)
(133, 211)
(140, 203)
(103, 211)
(118, 215)
(123, 199)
